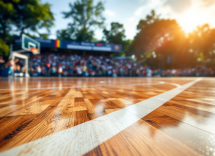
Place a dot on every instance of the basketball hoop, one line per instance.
(27, 44)
(34, 50)
(30, 44)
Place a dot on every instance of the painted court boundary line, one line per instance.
(83, 138)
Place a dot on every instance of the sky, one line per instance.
(188, 13)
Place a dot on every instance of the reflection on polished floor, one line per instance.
(107, 116)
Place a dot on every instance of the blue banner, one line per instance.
(168, 59)
(88, 46)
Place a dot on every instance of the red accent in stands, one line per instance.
(99, 44)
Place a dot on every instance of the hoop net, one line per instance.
(34, 50)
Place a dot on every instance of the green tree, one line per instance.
(116, 34)
(44, 35)
(126, 47)
(202, 42)
(157, 39)
(24, 16)
(153, 32)
(32, 15)
(86, 17)
(4, 49)
(7, 15)
(66, 34)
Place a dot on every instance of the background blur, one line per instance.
(162, 37)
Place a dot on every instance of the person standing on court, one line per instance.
(1, 64)
(11, 63)
(60, 70)
(84, 69)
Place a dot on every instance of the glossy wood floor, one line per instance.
(107, 116)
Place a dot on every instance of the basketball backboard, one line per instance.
(30, 44)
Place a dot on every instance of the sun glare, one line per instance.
(190, 20)
(188, 26)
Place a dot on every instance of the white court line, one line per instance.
(83, 138)
(106, 85)
(175, 84)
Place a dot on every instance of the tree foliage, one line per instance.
(202, 41)
(116, 34)
(32, 15)
(24, 16)
(153, 32)
(7, 13)
(85, 18)
(4, 48)
(159, 39)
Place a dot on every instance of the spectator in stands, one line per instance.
(84, 69)
(60, 70)
(39, 70)
(1, 64)
(53, 70)
(11, 64)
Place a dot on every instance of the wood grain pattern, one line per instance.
(137, 140)
(38, 107)
(195, 138)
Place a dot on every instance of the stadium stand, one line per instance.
(99, 66)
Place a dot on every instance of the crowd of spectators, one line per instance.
(99, 66)
(198, 71)
(75, 65)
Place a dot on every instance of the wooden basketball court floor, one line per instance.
(107, 116)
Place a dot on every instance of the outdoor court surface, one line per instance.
(107, 116)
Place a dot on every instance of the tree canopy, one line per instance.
(4, 49)
(85, 18)
(24, 16)
(159, 39)
(116, 34)
(153, 32)
(32, 16)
